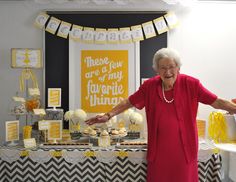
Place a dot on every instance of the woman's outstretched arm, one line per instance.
(122, 106)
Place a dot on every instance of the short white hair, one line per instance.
(165, 53)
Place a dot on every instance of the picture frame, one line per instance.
(26, 58)
(12, 130)
(54, 97)
(55, 130)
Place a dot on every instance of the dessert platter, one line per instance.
(132, 144)
(65, 145)
(116, 134)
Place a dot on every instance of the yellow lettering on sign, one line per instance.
(104, 79)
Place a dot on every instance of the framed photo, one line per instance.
(12, 130)
(26, 58)
(54, 97)
(97, 88)
(55, 130)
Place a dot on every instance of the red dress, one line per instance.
(172, 133)
(170, 164)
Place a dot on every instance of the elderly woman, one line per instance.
(171, 103)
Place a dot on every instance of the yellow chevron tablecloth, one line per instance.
(90, 165)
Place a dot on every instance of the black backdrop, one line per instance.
(57, 48)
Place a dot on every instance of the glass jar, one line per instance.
(32, 103)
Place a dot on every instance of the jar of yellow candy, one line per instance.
(27, 130)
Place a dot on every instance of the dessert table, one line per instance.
(71, 164)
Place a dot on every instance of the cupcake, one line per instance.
(122, 132)
(115, 132)
(93, 133)
(104, 133)
(87, 130)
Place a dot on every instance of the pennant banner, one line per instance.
(133, 33)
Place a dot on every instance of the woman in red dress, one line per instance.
(171, 102)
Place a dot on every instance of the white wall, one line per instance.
(205, 39)
(16, 31)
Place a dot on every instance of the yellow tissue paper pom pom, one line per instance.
(217, 128)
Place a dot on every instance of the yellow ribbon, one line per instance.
(122, 154)
(24, 153)
(89, 153)
(217, 129)
(56, 153)
(27, 74)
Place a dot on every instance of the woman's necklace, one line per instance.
(163, 93)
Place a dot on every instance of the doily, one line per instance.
(9, 155)
(73, 156)
(40, 156)
(106, 156)
(137, 157)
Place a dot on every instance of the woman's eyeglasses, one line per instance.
(170, 68)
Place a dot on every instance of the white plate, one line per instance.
(230, 147)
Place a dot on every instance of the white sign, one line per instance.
(43, 125)
(29, 143)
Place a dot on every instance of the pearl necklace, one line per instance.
(163, 93)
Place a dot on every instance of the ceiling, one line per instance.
(132, 5)
(156, 5)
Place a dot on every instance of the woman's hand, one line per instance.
(98, 119)
(226, 105)
(234, 101)
(122, 106)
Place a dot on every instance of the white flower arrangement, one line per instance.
(135, 118)
(76, 116)
(68, 115)
(80, 115)
(113, 120)
(127, 113)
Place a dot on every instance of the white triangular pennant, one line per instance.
(53, 25)
(64, 29)
(100, 36)
(76, 33)
(149, 30)
(171, 19)
(113, 36)
(137, 33)
(125, 35)
(160, 25)
(41, 20)
(88, 35)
